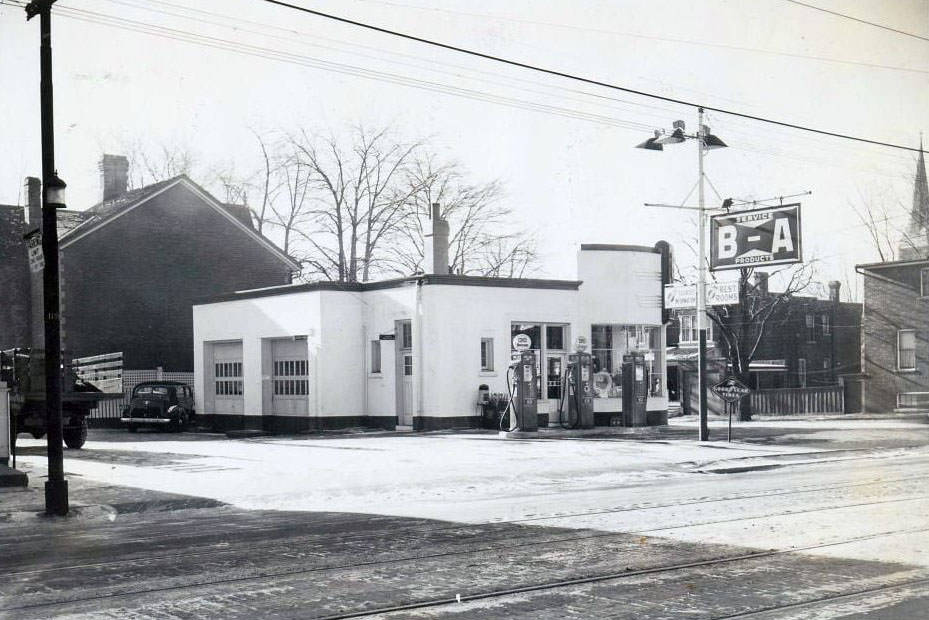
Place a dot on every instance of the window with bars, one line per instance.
(906, 349)
(228, 378)
(290, 377)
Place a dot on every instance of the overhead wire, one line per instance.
(605, 31)
(571, 76)
(857, 19)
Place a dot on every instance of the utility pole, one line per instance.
(56, 487)
(701, 280)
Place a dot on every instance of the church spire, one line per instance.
(918, 230)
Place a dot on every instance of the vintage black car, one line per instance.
(163, 404)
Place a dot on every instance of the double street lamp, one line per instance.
(705, 142)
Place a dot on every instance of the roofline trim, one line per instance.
(612, 247)
(68, 238)
(361, 287)
(893, 263)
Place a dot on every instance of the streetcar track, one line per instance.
(824, 599)
(438, 530)
(493, 549)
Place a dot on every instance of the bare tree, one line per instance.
(149, 165)
(742, 327)
(482, 241)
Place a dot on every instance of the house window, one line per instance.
(924, 282)
(689, 331)
(487, 354)
(906, 349)
(801, 372)
(228, 378)
(827, 327)
(375, 357)
(810, 327)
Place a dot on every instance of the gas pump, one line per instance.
(635, 390)
(523, 393)
(579, 394)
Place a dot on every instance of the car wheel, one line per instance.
(75, 437)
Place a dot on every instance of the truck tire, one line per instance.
(75, 437)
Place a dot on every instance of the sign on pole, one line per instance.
(34, 249)
(759, 237)
(731, 390)
(717, 294)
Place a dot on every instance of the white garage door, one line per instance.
(227, 388)
(290, 377)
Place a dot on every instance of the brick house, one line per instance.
(895, 326)
(132, 265)
(808, 342)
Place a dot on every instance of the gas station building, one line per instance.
(411, 353)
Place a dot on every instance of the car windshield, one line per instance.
(157, 390)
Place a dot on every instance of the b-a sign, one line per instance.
(759, 237)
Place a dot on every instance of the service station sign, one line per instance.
(755, 238)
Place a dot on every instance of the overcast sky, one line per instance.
(563, 149)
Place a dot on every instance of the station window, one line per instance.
(375, 356)
(228, 377)
(608, 345)
(406, 335)
(290, 377)
(487, 354)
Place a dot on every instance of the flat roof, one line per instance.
(612, 247)
(427, 279)
(894, 263)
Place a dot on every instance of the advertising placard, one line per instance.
(685, 296)
(755, 238)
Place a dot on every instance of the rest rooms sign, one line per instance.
(759, 237)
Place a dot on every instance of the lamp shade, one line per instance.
(651, 144)
(55, 192)
(675, 137)
(712, 142)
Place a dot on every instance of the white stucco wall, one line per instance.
(455, 320)
(249, 321)
(381, 309)
(619, 286)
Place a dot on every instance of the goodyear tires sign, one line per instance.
(755, 238)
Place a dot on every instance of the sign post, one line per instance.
(731, 390)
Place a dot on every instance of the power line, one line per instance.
(571, 76)
(647, 37)
(860, 21)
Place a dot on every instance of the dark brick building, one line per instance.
(132, 265)
(808, 342)
(895, 327)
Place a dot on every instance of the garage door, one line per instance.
(227, 387)
(290, 377)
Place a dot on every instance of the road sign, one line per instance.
(731, 389)
(522, 342)
(34, 249)
(717, 294)
(759, 237)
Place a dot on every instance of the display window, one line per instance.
(548, 343)
(608, 345)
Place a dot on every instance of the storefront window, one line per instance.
(551, 349)
(608, 345)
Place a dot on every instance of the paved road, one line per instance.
(547, 531)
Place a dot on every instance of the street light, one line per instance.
(56, 487)
(705, 142)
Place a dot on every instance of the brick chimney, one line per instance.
(834, 287)
(436, 244)
(761, 283)
(33, 191)
(114, 176)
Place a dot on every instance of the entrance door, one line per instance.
(554, 373)
(404, 353)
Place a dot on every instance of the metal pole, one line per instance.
(701, 283)
(56, 487)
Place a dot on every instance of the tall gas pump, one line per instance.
(635, 390)
(524, 394)
(579, 394)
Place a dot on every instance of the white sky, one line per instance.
(571, 180)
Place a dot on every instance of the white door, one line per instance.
(226, 379)
(290, 372)
(404, 355)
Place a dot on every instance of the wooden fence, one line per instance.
(797, 401)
